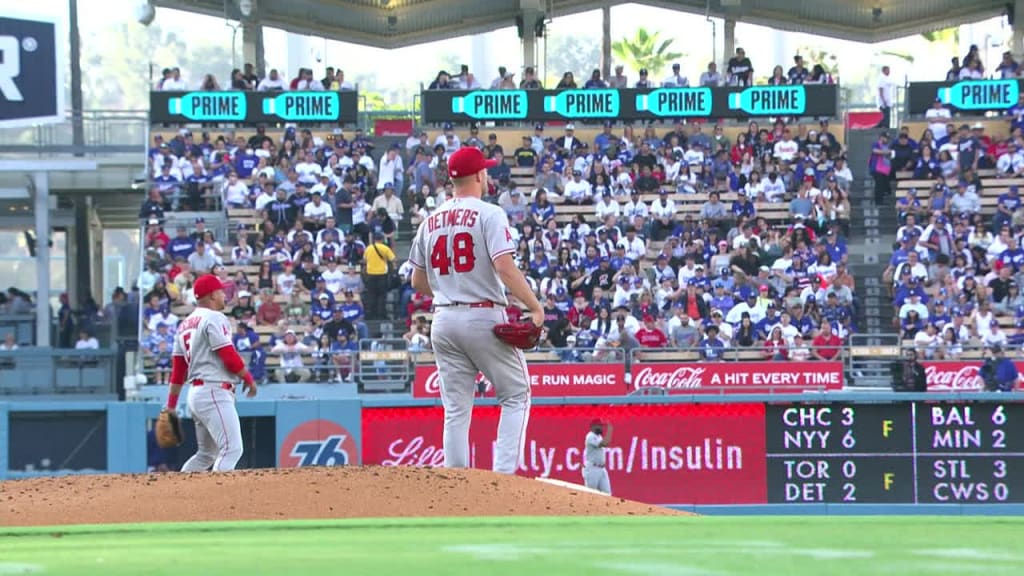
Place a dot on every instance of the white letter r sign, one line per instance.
(10, 68)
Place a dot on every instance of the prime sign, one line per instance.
(31, 71)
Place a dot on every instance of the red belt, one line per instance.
(224, 385)
(468, 305)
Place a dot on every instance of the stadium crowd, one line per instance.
(605, 236)
(739, 71)
(957, 262)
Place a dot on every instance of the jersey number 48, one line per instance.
(462, 258)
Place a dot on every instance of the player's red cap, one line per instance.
(205, 285)
(468, 161)
(596, 422)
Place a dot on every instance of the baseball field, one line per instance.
(414, 521)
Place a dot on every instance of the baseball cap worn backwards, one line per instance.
(468, 161)
(206, 284)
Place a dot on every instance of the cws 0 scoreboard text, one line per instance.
(742, 453)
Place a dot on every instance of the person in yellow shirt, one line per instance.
(378, 261)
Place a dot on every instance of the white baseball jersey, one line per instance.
(593, 452)
(456, 247)
(199, 337)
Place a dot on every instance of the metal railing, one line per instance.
(105, 131)
(44, 371)
(384, 365)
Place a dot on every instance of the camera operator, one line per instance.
(998, 373)
(909, 375)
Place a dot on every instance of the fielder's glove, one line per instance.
(168, 429)
(523, 335)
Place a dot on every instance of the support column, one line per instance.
(41, 205)
(79, 260)
(729, 43)
(530, 43)
(74, 39)
(530, 11)
(252, 46)
(1017, 40)
(606, 42)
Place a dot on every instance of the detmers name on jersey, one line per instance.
(190, 323)
(453, 217)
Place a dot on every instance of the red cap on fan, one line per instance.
(205, 285)
(468, 161)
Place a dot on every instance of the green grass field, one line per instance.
(791, 546)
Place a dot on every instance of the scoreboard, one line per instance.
(900, 453)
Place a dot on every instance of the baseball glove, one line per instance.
(168, 429)
(523, 335)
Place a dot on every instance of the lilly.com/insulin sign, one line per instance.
(31, 70)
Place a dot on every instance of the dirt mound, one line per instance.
(344, 492)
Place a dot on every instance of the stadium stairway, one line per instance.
(870, 246)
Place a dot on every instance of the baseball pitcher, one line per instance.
(462, 256)
(595, 471)
(204, 357)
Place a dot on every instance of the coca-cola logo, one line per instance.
(963, 378)
(433, 383)
(415, 452)
(681, 377)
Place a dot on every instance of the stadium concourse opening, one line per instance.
(320, 492)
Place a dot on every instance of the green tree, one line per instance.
(948, 36)
(123, 60)
(816, 55)
(645, 50)
(946, 41)
(574, 53)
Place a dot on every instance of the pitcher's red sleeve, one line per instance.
(232, 361)
(179, 369)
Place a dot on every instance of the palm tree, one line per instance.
(645, 50)
(949, 36)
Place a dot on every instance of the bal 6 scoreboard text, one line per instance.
(908, 452)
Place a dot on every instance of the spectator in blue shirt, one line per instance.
(322, 306)
(711, 347)
(168, 185)
(595, 80)
(743, 206)
(181, 246)
(835, 247)
(1007, 204)
(354, 313)
(245, 163)
(244, 337)
(258, 362)
(999, 373)
(603, 140)
(162, 334)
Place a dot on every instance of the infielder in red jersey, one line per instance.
(462, 257)
(205, 357)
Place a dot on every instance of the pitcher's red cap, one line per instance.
(205, 285)
(467, 161)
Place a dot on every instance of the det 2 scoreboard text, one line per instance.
(903, 452)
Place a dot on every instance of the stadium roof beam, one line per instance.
(399, 23)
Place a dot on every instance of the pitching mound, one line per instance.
(347, 492)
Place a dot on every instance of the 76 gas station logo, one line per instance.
(325, 453)
(318, 443)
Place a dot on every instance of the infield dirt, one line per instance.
(330, 492)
